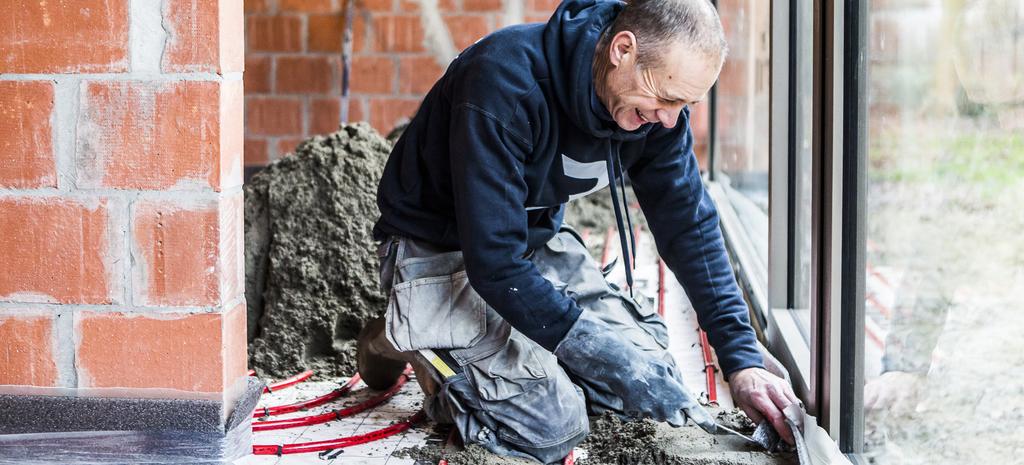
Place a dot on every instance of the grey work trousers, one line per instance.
(510, 395)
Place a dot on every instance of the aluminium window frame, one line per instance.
(832, 384)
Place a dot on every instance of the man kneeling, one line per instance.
(481, 273)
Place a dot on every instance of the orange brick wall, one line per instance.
(293, 62)
(121, 135)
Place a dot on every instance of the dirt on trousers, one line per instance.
(615, 442)
(311, 267)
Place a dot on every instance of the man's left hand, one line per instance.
(762, 395)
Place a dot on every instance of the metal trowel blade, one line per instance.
(725, 430)
(763, 437)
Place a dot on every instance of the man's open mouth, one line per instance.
(641, 116)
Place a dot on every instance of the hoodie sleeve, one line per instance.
(684, 222)
(487, 165)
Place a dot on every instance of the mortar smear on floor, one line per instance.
(612, 442)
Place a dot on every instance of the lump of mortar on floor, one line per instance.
(311, 267)
(471, 455)
(612, 441)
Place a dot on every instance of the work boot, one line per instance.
(378, 362)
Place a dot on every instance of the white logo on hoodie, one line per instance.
(578, 170)
(593, 170)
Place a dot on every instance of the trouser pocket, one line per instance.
(517, 399)
(431, 304)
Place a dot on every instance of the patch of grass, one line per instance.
(987, 161)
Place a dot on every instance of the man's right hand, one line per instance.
(648, 386)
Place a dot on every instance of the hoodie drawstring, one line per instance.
(628, 248)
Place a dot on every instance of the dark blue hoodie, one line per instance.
(514, 130)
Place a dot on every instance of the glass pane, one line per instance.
(945, 257)
(800, 265)
(742, 152)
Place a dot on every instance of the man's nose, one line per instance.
(667, 116)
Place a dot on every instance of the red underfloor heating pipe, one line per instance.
(338, 443)
(336, 414)
(342, 442)
(709, 367)
(288, 382)
(307, 404)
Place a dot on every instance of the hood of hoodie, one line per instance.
(570, 38)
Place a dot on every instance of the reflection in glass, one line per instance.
(945, 258)
(803, 109)
(742, 104)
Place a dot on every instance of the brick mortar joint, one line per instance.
(129, 77)
(17, 308)
(124, 194)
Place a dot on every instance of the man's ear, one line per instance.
(622, 48)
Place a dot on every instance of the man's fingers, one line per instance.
(778, 396)
(752, 413)
(791, 395)
(766, 405)
(778, 421)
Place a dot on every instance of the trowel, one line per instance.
(764, 436)
(813, 444)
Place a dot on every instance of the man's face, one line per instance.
(635, 96)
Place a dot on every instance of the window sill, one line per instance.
(777, 327)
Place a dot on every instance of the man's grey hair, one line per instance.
(657, 24)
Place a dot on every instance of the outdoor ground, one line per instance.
(944, 224)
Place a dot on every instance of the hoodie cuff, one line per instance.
(739, 359)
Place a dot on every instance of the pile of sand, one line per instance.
(311, 267)
(311, 271)
(595, 211)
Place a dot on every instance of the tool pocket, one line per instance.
(508, 373)
(437, 308)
